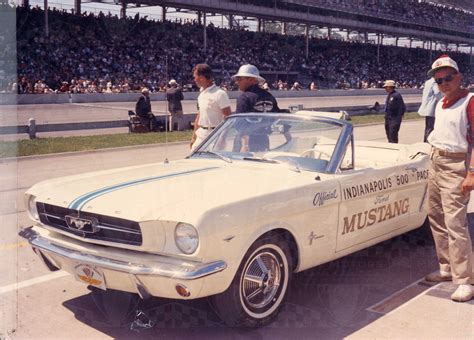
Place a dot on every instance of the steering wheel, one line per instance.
(316, 154)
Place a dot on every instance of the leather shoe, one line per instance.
(438, 276)
(463, 293)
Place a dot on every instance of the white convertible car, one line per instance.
(263, 197)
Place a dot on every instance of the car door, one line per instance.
(377, 202)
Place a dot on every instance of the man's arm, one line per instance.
(242, 104)
(223, 103)
(468, 183)
(138, 106)
(226, 111)
(398, 105)
(244, 143)
(404, 108)
(196, 126)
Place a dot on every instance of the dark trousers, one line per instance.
(392, 126)
(148, 121)
(429, 126)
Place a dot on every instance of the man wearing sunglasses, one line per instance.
(451, 179)
(394, 110)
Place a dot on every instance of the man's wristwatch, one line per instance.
(471, 169)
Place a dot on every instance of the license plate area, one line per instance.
(89, 275)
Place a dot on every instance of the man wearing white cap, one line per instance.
(394, 110)
(451, 179)
(174, 96)
(253, 99)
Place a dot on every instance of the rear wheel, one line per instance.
(259, 288)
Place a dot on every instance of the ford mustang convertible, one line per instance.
(263, 197)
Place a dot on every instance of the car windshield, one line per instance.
(304, 143)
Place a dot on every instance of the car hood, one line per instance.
(178, 191)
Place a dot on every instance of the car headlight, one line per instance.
(186, 238)
(32, 210)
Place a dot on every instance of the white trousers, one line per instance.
(201, 134)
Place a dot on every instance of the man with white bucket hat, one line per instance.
(253, 99)
(451, 179)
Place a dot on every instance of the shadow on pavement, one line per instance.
(333, 300)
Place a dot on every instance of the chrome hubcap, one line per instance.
(261, 280)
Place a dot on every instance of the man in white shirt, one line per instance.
(451, 179)
(213, 104)
(431, 97)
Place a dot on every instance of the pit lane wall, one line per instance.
(64, 98)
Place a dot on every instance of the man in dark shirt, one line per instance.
(253, 99)
(394, 110)
(143, 110)
(174, 96)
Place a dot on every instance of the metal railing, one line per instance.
(32, 129)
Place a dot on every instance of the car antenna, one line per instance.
(166, 161)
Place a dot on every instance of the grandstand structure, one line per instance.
(89, 52)
(338, 14)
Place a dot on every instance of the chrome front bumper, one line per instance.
(162, 267)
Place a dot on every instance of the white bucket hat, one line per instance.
(389, 83)
(443, 61)
(248, 70)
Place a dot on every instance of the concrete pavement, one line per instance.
(376, 293)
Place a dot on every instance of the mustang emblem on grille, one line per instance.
(86, 225)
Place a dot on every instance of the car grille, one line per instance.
(106, 228)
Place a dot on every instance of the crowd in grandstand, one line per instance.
(88, 54)
(415, 11)
(422, 12)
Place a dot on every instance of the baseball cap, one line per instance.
(442, 61)
(389, 83)
(172, 82)
(248, 70)
(145, 90)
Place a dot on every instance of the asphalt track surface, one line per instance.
(374, 293)
(89, 112)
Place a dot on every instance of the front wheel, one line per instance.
(259, 288)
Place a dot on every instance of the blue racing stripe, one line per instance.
(79, 202)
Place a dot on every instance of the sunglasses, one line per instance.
(448, 78)
(240, 78)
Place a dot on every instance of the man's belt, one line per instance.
(446, 153)
(208, 127)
